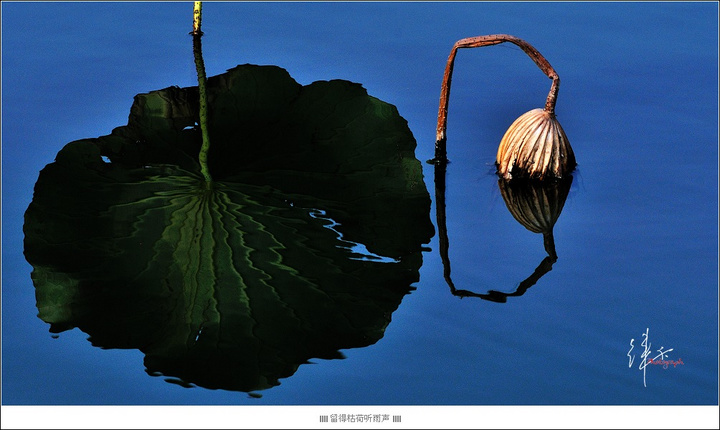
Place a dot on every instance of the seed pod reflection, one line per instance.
(537, 205)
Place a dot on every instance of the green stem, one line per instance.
(202, 88)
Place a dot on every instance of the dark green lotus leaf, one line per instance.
(304, 244)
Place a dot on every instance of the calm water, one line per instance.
(637, 239)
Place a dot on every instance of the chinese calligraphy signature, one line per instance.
(659, 359)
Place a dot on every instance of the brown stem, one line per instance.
(475, 42)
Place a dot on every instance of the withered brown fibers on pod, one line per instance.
(535, 146)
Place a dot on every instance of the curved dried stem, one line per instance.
(479, 41)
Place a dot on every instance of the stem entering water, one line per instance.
(202, 89)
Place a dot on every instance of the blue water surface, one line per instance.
(637, 241)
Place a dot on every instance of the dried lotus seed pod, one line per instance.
(535, 146)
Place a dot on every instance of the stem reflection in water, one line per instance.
(534, 204)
